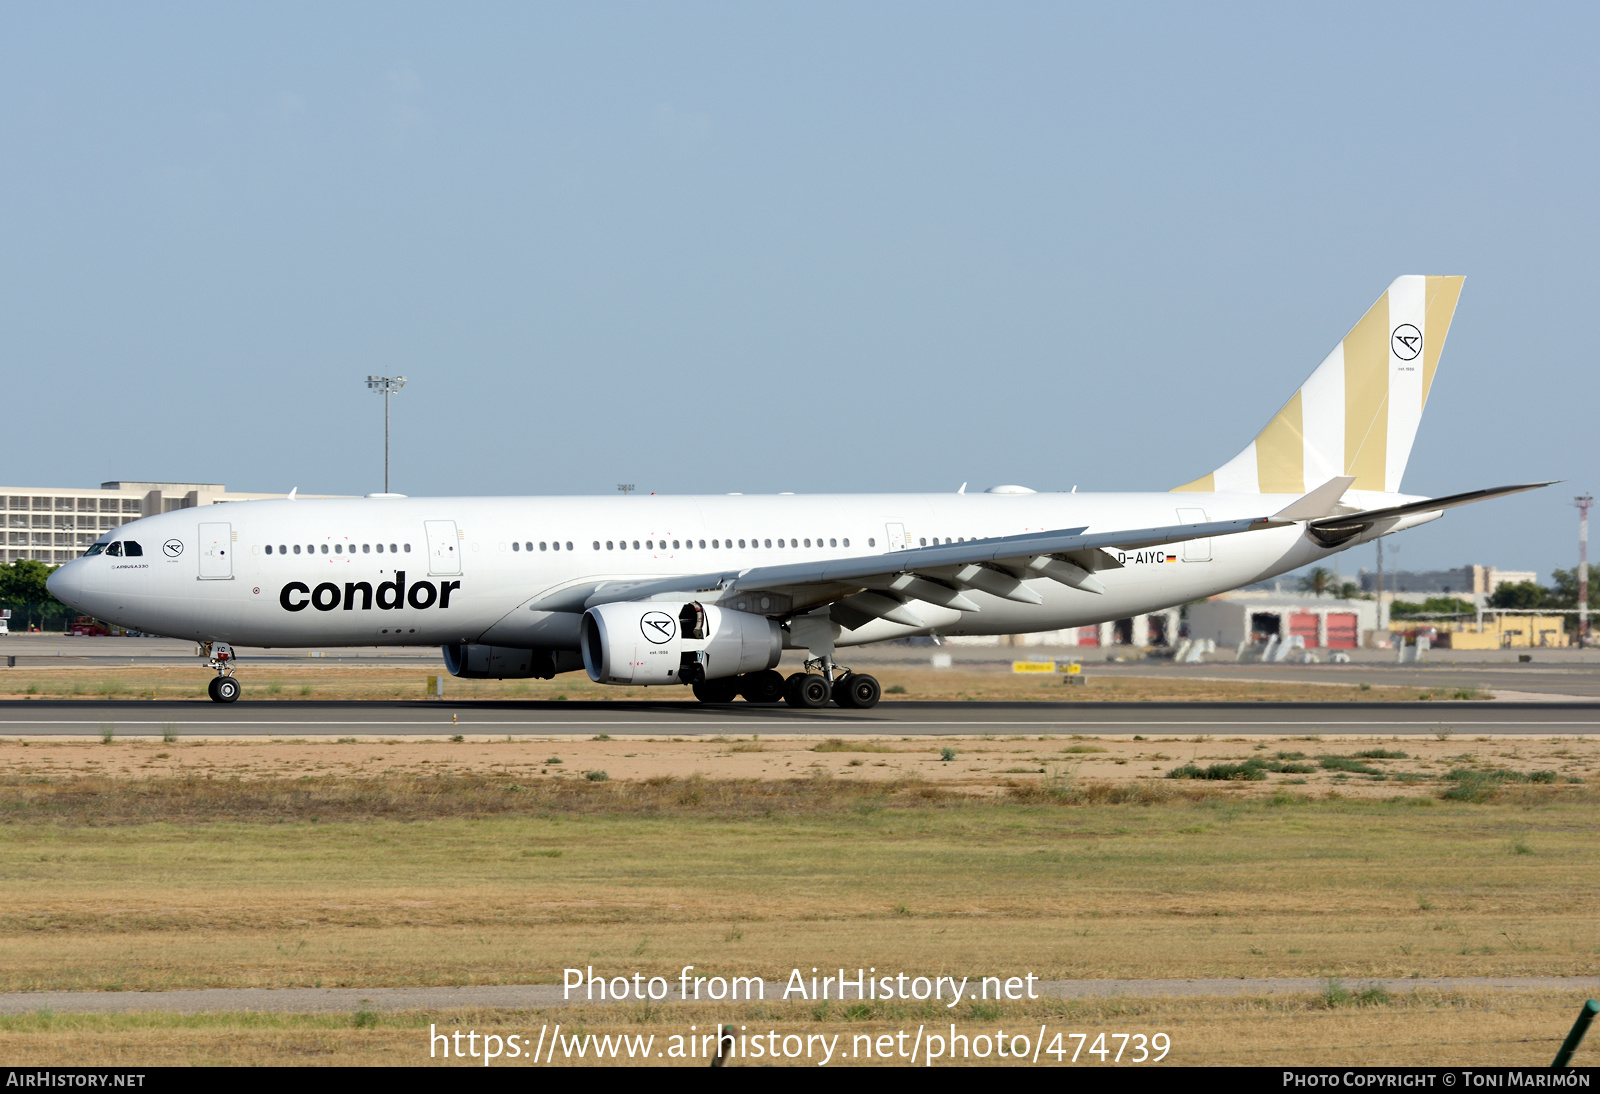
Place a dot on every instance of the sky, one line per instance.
(812, 247)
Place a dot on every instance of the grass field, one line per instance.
(196, 863)
(349, 680)
(441, 881)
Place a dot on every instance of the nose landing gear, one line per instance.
(219, 656)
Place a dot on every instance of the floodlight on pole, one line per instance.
(626, 487)
(388, 385)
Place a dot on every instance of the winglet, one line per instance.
(293, 492)
(1319, 503)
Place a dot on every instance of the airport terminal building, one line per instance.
(57, 524)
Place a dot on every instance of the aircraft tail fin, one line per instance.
(1357, 415)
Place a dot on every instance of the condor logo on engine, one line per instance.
(658, 627)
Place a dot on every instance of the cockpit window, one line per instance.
(92, 551)
(132, 549)
(114, 549)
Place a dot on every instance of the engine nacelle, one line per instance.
(675, 643)
(473, 661)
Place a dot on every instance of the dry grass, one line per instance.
(332, 678)
(1421, 1029)
(115, 883)
(983, 766)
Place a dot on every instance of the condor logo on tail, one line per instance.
(389, 595)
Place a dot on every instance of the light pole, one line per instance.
(1583, 503)
(388, 385)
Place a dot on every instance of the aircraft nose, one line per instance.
(66, 584)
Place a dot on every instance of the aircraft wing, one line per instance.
(879, 586)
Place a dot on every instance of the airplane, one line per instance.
(708, 591)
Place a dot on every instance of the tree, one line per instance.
(1565, 593)
(1349, 590)
(1434, 605)
(1521, 596)
(23, 590)
(1319, 581)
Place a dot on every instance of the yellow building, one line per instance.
(1503, 632)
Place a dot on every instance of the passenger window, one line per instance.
(923, 542)
(542, 544)
(713, 544)
(676, 545)
(408, 548)
(871, 542)
(833, 543)
(114, 549)
(609, 547)
(338, 548)
(515, 546)
(847, 543)
(269, 548)
(702, 544)
(569, 545)
(768, 543)
(596, 545)
(366, 548)
(380, 548)
(528, 546)
(132, 549)
(808, 543)
(741, 543)
(296, 548)
(635, 545)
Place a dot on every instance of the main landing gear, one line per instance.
(812, 690)
(806, 690)
(765, 687)
(219, 656)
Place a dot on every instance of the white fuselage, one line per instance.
(515, 571)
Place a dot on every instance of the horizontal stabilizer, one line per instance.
(1330, 531)
(1321, 502)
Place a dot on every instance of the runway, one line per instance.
(539, 996)
(133, 718)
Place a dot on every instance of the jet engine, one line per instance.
(474, 661)
(667, 643)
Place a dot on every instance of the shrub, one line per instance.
(596, 776)
(947, 754)
(1347, 763)
(1245, 772)
(1381, 754)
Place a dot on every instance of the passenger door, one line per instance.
(444, 547)
(1195, 550)
(897, 536)
(216, 552)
